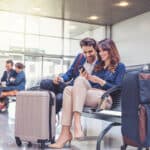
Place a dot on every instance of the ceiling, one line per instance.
(78, 10)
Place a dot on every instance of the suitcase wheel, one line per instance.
(29, 144)
(18, 141)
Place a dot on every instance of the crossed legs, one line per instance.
(74, 99)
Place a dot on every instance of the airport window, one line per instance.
(53, 67)
(51, 42)
(51, 27)
(32, 43)
(11, 22)
(32, 25)
(33, 68)
(50, 45)
(71, 47)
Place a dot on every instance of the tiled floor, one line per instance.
(111, 142)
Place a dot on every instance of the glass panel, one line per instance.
(11, 22)
(71, 47)
(11, 41)
(33, 69)
(51, 27)
(16, 42)
(16, 57)
(51, 45)
(32, 44)
(52, 67)
(79, 30)
(32, 24)
(66, 63)
(4, 41)
(98, 33)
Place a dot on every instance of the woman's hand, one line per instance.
(96, 79)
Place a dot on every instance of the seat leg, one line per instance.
(102, 134)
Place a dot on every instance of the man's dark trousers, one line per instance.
(58, 89)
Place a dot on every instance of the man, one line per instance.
(87, 59)
(8, 73)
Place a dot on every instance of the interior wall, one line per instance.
(132, 37)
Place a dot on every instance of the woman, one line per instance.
(88, 89)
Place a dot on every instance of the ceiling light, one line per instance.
(123, 4)
(93, 17)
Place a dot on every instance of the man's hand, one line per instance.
(57, 80)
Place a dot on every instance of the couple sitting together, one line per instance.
(12, 81)
(92, 73)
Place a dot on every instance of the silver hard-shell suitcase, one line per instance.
(35, 117)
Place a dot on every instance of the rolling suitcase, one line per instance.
(136, 110)
(35, 117)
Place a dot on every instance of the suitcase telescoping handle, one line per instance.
(51, 103)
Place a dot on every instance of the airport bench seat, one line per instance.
(113, 115)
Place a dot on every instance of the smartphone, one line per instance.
(82, 68)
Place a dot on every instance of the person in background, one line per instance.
(88, 59)
(88, 89)
(14, 84)
(8, 73)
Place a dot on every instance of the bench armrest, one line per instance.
(111, 92)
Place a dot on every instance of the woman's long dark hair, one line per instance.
(110, 46)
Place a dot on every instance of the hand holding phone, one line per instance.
(82, 69)
(83, 72)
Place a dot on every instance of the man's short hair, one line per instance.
(10, 62)
(19, 65)
(88, 42)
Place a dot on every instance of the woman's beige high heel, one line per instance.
(59, 146)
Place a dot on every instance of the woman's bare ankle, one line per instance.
(78, 131)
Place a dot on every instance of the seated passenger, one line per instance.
(14, 84)
(88, 89)
(8, 73)
(87, 59)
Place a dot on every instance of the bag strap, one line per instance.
(142, 123)
(147, 107)
(77, 63)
